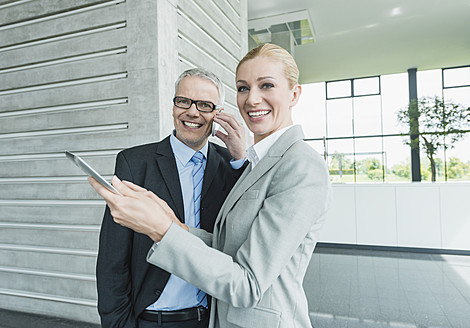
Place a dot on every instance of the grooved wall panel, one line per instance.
(64, 85)
(92, 77)
(210, 35)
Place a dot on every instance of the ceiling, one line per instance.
(357, 38)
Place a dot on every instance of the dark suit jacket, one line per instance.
(127, 284)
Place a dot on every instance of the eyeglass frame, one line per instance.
(195, 102)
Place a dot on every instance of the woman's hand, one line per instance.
(138, 209)
(164, 205)
(235, 137)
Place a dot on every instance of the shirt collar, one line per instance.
(256, 152)
(184, 153)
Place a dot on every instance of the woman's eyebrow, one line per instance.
(265, 77)
(258, 79)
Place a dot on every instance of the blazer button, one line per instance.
(157, 292)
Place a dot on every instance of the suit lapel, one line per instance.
(212, 166)
(250, 176)
(167, 164)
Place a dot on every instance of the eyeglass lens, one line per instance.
(201, 105)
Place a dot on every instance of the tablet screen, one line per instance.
(90, 171)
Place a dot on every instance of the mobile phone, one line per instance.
(90, 171)
(215, 127)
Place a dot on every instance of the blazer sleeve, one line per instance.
(295, 205)
(113, 271)
(202, 234)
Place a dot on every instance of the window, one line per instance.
(355, 130)
(353, 124)
(452, 161)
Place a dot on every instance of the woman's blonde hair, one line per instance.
(275, 52)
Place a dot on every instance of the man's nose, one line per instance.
(192, 110)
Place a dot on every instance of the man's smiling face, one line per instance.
(192, 126)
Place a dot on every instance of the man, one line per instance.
(131, 292)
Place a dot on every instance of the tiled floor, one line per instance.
(352, 288)
(13, 319)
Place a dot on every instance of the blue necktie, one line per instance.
(198, 175)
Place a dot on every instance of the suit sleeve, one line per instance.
(202, 234)
(295, 205)
(113, 265)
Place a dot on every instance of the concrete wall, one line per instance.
(418, 215)
(92, 77)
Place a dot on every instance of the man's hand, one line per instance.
(138, 209)
(235, 137)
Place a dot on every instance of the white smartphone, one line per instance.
(215, 127)
(90, 171)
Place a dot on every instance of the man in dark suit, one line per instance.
(131, 292)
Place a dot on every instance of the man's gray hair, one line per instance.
(205, 74)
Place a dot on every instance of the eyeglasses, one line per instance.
(201, 105)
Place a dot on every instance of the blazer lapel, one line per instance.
(250, 176)
(167, 164)
(211, 169)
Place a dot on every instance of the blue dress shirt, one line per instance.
(178, 294)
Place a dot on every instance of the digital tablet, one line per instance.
(90, 171)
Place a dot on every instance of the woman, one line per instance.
(255, 261)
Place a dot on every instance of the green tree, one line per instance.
(440, 124)
(456, 169)
(370, 167)
(402, 169)
(426, 169)
(340, 164)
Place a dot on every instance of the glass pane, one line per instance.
(456, 76)
(396, 160)
(429, 83)
(458, 95)
(341, 160)
(367, 116)
(294, 25)
(310, 110)
(298, 34)
(458, 160)
(278, 28)
(366, 86)
(394, 97)
(338, 89)
(305, 40)
(262, 31)
(426, 169)
(339, 117)
(369, 159)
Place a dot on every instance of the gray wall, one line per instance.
(92, 77)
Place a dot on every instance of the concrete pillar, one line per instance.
(93, 79)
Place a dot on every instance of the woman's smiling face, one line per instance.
(264, 97)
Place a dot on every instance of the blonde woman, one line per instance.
(254, 262)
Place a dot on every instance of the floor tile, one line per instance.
(390, 289)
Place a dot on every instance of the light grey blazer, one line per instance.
(255, 261)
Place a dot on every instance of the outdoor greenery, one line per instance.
(437, 124)
(370, 170)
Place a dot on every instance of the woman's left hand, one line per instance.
(138, 209)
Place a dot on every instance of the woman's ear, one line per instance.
(296, 91)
